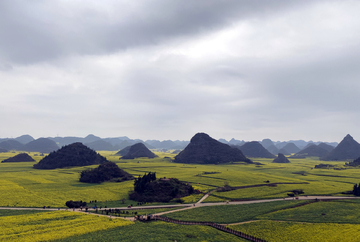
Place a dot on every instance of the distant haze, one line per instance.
(243, 69)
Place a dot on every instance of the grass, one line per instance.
(158, 232)
(301, 232)
(13, 212)
(320, 212)
(226, 214)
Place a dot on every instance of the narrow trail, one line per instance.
(222, 227)
(245, 222)
(214, 225)
(204, 197)
(202, 204)
(103, 215)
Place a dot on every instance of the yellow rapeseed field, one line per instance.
(53, 225)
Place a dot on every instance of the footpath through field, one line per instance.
(199, 204)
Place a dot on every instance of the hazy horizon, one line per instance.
(174, 139)
(243, 69)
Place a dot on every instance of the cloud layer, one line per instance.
(168, 69)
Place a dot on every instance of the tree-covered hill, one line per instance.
(105, 172)
(203, 149)
(75, 154)
(22, 157)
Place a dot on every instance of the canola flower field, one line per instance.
(23, 186)
(53, 225)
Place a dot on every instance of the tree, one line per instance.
(356, 190)
(140, 182)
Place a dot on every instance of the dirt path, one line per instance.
(103, 215)
(245, 222)
(198, 204)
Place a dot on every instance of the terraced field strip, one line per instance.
(214, 225)
(271, 184)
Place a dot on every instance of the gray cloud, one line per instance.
(168, 69)
(43, 30)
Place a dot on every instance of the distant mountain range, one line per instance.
(46, 145)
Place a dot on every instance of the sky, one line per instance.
(243, 69)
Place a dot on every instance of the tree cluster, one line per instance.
(150, 189)
(75, 204)
(105, 172)
(354, 163)
(356, 190)
(141, 182)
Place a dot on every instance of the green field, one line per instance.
(157, 231)
(320, 212)
(23, 186)
(226, 214)
(301, 232)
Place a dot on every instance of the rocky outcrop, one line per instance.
(75, 154)
(203, 149)
(348, 148)
(255, 149)
(138, 150)
(23, 157)
(281, 159)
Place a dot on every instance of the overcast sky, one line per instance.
(160, 69)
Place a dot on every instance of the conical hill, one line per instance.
(203, 149)
(75, 154)
(348, 148)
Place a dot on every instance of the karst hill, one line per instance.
(203, 149)
(281, 159)
(348, 148)
(289, 148)
(106, 171)
(11, 144)
(312, 150)
(22, 157)
(255, 149)
(42, 145)
(136, 151)
(75, 154)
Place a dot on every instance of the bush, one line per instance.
(75, 204)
